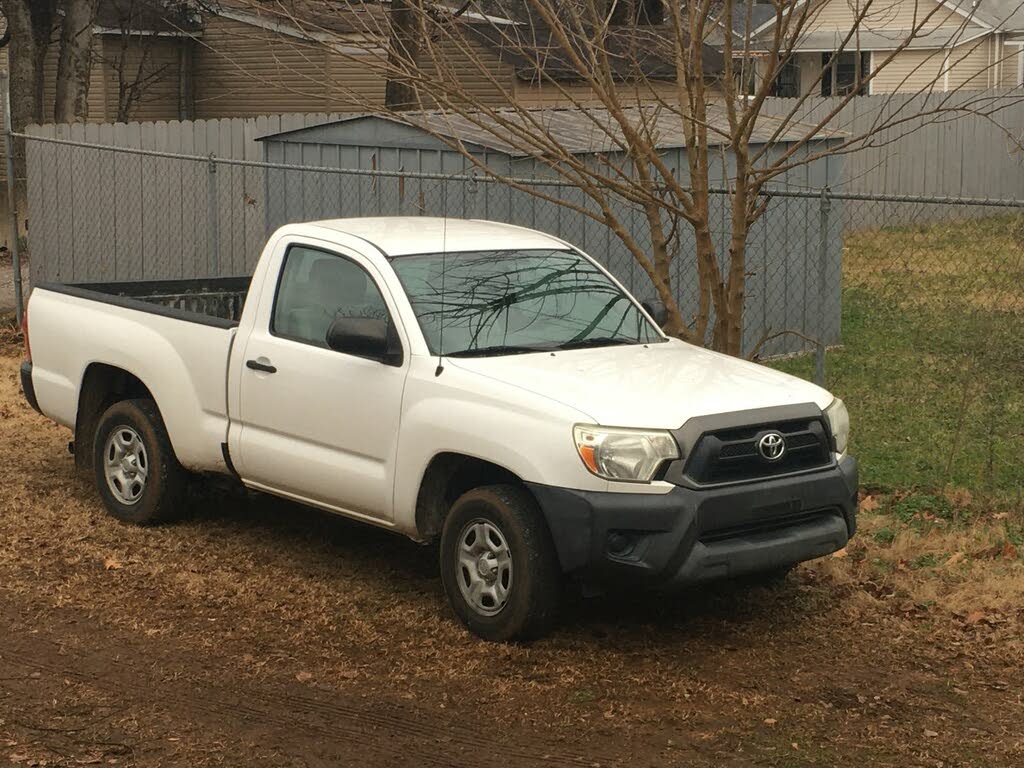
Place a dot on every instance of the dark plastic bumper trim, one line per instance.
(658, 537)
(27, 387)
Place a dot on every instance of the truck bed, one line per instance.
(211, 301)
(175, 337)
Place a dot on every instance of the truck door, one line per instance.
(315, 424)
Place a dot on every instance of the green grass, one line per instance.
(932, 361)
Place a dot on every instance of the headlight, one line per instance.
(839, 423)
(624, 454)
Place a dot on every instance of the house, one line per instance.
(954, 45)
(141, 61)
(185, 59)
(327, 57)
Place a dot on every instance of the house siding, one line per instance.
(161, 70)
(841, 15)
(547, 94)
(1009, 66)
(971, 65)
(243, 70)
(909, 71)
(356, 81)
(481, 73)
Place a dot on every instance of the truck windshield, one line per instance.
(510, 302)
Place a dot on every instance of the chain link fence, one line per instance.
(919, 300)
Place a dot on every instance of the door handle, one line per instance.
(258, 366)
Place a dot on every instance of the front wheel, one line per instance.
(498, 564)
(137, 474)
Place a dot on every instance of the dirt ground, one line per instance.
(7, 282)
(260, 633)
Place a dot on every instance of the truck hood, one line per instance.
(658, 386)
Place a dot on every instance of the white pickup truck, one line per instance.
(475, 383)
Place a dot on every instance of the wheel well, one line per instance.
(102, 386)
(448, 476)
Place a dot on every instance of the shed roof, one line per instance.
(579, 130)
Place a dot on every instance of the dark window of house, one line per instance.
(840, 78)
(787, 81)
(637, 11)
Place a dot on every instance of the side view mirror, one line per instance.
(368, 337)
(656, 309)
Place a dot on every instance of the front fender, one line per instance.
(464, 413)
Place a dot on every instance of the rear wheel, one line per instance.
(137, 474)
(498, 564)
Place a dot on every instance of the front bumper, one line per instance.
(691, 535)
(27, 387)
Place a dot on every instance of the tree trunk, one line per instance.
(731, 322)
(29, 23)
(75, 63)
(406, 41)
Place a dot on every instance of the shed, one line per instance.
(398, 166)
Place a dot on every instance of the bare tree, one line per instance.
(406, 41)
(29, 26)
(134, 63)
(408, 33)
(74, 64)
(635, 70)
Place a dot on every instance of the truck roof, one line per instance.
(405, 235)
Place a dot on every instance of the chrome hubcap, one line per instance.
(484, 567)
(125, 465)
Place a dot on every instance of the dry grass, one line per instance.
(972, 264)
(11, 340)
(971, 565)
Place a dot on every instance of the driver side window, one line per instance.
(315, 288)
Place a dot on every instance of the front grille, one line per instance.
(732, 455)
(771, 524)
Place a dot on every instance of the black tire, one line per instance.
(160, 497)
(536, 582)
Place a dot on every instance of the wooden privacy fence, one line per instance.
(954, 155)
(924, 153)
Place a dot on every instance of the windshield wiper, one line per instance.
(494, 351)
(595, 341)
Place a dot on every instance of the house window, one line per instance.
(787, 81)
(637, 11)
(840, 78)
(744, 72)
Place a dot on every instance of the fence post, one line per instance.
(824, 209)
(212, 219)
(12, 200)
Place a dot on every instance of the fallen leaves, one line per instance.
(960, 498)
(868, 504)
(1005, 551)
(978, 617)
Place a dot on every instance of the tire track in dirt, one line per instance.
(296, 720)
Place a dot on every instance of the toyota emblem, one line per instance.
(771, 446)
